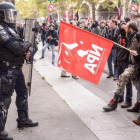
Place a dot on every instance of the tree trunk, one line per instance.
(58, 15)
(129, 5)
(124, 13)
(93, 11)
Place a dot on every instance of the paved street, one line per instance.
(106, 85)
(69, 109)
(91, 33)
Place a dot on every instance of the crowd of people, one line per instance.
(123, 65)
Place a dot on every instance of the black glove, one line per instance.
(26, 46)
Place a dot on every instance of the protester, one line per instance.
(43, 33)
(126, 19)
(63, 72)
(87, 27)
(121, 63)
(113, 35)
(108, 25)
(129, 73)
(20, 29)
(55, 25)
(136, 54)
(80, 25)
(52, 37)
(38, 27)
(104, 29)
(95, 28)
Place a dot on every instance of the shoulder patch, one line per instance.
(1, 27)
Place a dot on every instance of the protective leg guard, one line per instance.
(4, 106)
(23, 117)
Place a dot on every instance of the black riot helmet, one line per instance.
(8, 12)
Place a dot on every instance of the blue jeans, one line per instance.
(43, 40)
(111, 59)
(20, 88)
(53, 51)
(121, 68)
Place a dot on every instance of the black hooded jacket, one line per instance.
(113, 35)
(122, 54)
(95, 28)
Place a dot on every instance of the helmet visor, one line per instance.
(10, 15)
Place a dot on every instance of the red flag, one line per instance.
(82, 53)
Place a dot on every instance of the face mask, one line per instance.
(123, 32)
(94, 25)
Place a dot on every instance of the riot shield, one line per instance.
(29, 35)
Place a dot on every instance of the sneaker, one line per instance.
(136, 108)
(110, 75)
(126, 104)
(41, 57)
(115, 78)
(75, 77)
(65, 76)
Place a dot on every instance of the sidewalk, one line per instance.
(88, 107)
(56, 120)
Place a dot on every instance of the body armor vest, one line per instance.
(7, 59)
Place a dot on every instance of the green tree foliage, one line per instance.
(36, 8)
(109, 4)
(31, 8)
(93, 4)
(105, 5)
(60, 6)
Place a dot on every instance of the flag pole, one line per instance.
(122, 46)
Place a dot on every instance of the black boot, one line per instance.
(136, 108)
(23, 118)
(24, 121)
(113, 104)
(4, 136)
(4, 106)
(110, 75)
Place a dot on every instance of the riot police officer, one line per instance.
(13, 51)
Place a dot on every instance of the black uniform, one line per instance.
(12, 55)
